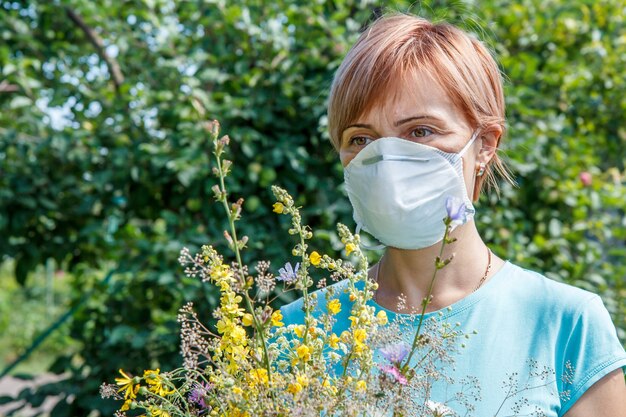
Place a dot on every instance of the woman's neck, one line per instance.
(409, 273)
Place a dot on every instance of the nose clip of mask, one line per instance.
(401, 158)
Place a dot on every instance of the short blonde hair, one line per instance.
(396, 46)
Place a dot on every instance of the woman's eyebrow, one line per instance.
(420, 117)
(361, 125)
(396, 124)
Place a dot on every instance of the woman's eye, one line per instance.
(360, 140)
(421, 132)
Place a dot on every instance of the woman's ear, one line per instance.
(490, 138)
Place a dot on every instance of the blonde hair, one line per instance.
(396, 46)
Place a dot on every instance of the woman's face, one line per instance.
(421, 112)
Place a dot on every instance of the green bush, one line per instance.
(24, 314)
(566, 101)
(123, 178)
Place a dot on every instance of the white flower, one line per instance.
(438, 409)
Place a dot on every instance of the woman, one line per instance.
(416, 112)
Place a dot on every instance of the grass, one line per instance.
(27, 311)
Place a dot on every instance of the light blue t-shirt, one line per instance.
(525, 323)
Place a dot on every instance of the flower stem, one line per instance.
(427, 298)
(305, 292)
(233, 230)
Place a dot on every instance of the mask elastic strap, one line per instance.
(470, 143)
(375, 247)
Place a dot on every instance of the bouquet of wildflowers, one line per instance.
(255, 365)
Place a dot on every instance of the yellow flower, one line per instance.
(303, 352)
(157, 412)
(155, 382)
(299, 330)
(381, 317)
(229, 303)
(333, 341)
(259, 377)
(302, 380)
(360, 335)
(234, 412)
(350, 247)
(247, 319)
(334, 307)
(294, 388)
(151, 375)
(359, 348)
(224, 326)
(278, 208)
(352, 296)
(238, 336)
(224, 286)
(127, 384)
(361, 386)
(331, 388)
(126, 405)
(315, 258)
(221, 274)
(240, 352)
(232, 367)
(237, 391)
(277, 316)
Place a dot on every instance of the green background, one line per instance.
(104, 162)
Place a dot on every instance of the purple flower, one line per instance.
(395, 353)
(288, 274)
(456, 210)
(199, 392)
(394, 372)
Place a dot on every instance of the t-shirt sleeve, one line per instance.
(591, 352)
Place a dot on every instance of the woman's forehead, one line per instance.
(416, 94)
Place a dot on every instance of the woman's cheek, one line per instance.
(345, 157)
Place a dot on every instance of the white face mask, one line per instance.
(398, 190)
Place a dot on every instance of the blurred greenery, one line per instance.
(104, 161)
(25, 312)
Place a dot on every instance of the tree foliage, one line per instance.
(104, 159)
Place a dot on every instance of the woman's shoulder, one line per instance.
(536, 290)
(576, 324)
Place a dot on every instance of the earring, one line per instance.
(481, 170)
